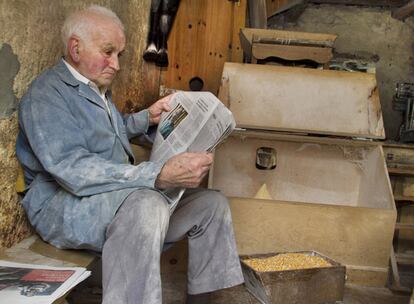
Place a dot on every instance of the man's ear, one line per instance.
(73, 48)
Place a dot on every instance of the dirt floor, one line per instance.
(174, 293)
(174, 286)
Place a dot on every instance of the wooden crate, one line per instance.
(300, 286)
(325, 193)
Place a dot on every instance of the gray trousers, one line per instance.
(141, 227)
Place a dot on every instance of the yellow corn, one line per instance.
(286, 261)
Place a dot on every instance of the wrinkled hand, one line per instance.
(185, 170)
(156, 109)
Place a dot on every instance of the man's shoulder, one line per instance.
(48, 78)
(49, 82)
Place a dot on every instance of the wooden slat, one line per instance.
(398, 190)
(291, 52)
(404, 11)
(151, 76)
(389, 3)
(403, 226)
(399, 170)
(394, 269)
(404, 259)
(257, 14)
(275, 7)
(239, 22)
(400, 198)
(248, 35)
(200, 43)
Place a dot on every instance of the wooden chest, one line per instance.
(305, 174)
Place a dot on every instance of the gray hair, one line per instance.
(80, 23)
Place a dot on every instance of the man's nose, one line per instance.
(114, 62)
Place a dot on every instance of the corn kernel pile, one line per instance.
(286, 261)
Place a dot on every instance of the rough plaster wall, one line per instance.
(30, 43)
(369, 33)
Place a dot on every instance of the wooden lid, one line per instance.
(304, 100)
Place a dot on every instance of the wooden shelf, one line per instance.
(404, 259)
(401, 198)
(400, 165)
(403, 226)
(401, 171)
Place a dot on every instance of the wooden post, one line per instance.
(404, 11)
(258, 14)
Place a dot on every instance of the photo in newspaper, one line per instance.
(172, 120)
(198, 122)
(28, 283)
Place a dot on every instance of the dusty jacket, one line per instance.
(77, 159)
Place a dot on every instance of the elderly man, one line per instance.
(83, 190)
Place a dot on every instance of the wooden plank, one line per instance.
(399, 170)
(403, 226)
(399, 155)
(404, 11)
(275, 7)
(33, 250)
(151, 76)
(239, 22)
(404, 259)
(248, 35)
(291, 52)
(81, 258)
(388, 3)
(257, 14)
(199, 44)
(400, 198)
(394, 268)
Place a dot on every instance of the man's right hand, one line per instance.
(185, 170)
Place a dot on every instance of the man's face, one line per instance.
(99, 56)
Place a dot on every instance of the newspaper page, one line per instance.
(37, 284)
(198, 122)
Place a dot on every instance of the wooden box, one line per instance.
(314, 186)
(259, 44)
(300, 286)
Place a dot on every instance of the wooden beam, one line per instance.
(404, 11)
(276, 7)
(239, 22)
(257, 14)
(389, 3)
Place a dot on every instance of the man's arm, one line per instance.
(137, 124)
(59, 143)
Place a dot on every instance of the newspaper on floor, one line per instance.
(197, 122)
(37, 284)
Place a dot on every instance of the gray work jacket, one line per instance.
(77, 159)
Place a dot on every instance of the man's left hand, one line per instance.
(156, 109)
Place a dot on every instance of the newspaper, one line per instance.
(197, 122)
(37, 284)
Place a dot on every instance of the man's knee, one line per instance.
(150, 204)
(145, 210)
(217, 203)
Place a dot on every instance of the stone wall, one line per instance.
(30, 43)
(368, 33)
